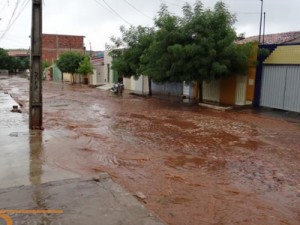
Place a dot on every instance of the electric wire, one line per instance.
(13, 19)
(137, 9)
(105, 7)
(116, 13)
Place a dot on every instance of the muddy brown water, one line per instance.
(194, 165)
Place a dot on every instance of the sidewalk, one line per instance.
(82, 202)
(28, 183)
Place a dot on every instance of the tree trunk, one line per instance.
(150, 86)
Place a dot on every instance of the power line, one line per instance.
(14, 11)
(105, 7)
(137, 9)
(13, 19)
(116, 13)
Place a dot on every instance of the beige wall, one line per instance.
(99, 72)
(68, 77)
(240, 94)
(108, 72)
(211, 91)
(140, 85)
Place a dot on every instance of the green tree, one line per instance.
(157, 61)
(4, 59)
(85, 67)
(69, 62)
(199, 46)
(45, 64)
(24, 63)
(129, 49)
(14, 64)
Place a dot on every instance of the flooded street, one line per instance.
(191, 165)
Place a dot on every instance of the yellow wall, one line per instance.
(237, 89)
(228, 90)
(284, 55)
(67, 77)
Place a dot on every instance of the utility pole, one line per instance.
(264, 29)
(260, 24)
(36, 76)
(90, 49)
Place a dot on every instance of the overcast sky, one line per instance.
(98, 20)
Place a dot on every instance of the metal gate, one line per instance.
(281, 87)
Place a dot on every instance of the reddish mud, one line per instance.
(194, 165)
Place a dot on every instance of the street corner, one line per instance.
(91, 201)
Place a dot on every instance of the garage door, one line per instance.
(281, 87)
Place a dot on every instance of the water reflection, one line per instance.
(35, 167)
(39, 194)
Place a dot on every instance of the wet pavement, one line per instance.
(190, 165)
(76, 202)
(20, 162)
(28, 183)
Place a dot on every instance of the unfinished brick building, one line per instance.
(55, 44)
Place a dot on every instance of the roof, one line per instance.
(63, 35)
(285, 55)
(279, 38)
(18, 52)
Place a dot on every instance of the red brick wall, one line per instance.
(53, 45)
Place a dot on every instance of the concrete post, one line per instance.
(36, 75)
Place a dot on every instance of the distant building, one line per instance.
(278, 38)
(97, 60)
(20, 53)
(53, 45)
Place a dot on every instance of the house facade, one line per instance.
(97, 61)
(279, 83)
(237, 89)
(53, 45)
(110, 75)
(245, 89)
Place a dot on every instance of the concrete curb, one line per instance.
(220, 108)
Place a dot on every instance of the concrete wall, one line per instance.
(232, 91)
(68, 78)
(240, 94)
(3, 72)
(167, 89)
(98, 66)
(108, 71)
(211, 91)
(139, 85)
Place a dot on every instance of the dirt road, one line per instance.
(193, 165)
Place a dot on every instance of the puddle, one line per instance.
(21, 151)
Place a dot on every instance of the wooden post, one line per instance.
(36, 75)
